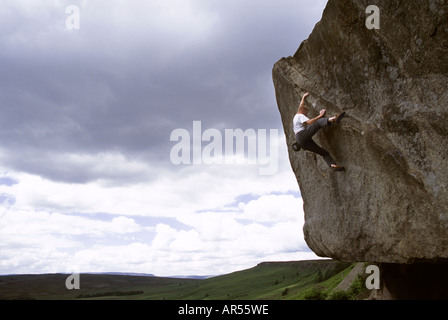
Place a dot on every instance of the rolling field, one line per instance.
(269, 280)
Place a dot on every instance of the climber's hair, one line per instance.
(303, 107)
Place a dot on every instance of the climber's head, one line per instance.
(303, 109)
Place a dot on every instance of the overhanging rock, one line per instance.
(391, 203)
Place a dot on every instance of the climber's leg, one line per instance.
(310, 145)
(311, 130)
(304, 138)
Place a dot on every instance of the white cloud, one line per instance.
(252, 244)
(86, 111)
(37, 228)
(213, 226)
(122, 186)
(164, 236)
(56, 226)
(226, 236)
(273, 208)
(224, 240)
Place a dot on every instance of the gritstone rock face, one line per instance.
(391, 203)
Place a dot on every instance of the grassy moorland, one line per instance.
(298, 280)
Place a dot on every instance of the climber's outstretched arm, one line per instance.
(302, 103)
(303, 109)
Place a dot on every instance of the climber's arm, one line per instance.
(311, 121)
(302, 103)
(303, 107)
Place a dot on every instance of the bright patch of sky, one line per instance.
(86, 179)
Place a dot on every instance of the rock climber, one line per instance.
(305, 129)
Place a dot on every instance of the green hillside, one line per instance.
(268, 280)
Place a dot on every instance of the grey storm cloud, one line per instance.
(132, 73)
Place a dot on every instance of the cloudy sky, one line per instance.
(87, 177)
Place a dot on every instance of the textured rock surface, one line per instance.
(391, 204)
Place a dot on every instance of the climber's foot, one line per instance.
(340, 116)
(335, 167)
(337, 118)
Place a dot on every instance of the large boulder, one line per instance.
(391, 203)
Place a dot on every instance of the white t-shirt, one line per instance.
(298, 121)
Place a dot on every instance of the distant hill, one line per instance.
(124, 274)
(315, 279)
